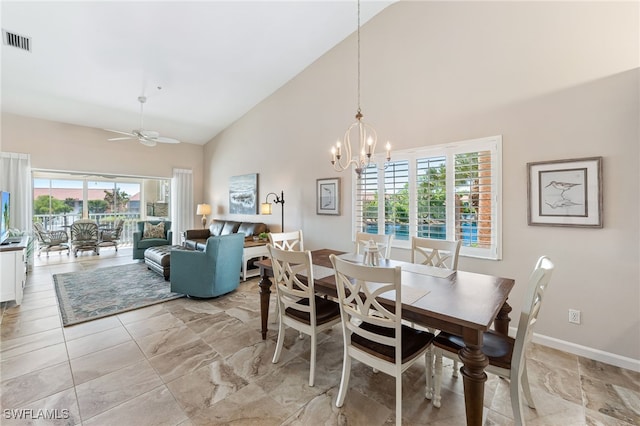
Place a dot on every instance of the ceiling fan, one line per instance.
(145, 137)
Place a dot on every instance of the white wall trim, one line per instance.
(587, 352)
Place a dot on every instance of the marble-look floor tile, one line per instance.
(20, 345)
(232, 344)
(99, 363)
(33, 361)
(30, 304)
(247, 407)
(156, 323)
(30, 315)
(90, 327)
(156, 407)
(142, 313)
(97, 341)
(610, 374)
(19, 327)
(612, 400)
(35, 385)
(253, 362)
(166, 340)
(289, 385)
(595, 418)
(187, 310)
(183, 360)
(216, 327)
(58, 409)
(322, 411)
(205, 386)
(108, 391)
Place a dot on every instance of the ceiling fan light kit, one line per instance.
(145, 137)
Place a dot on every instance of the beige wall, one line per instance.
(556, 80)
(59, 146)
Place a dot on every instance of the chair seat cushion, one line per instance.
(326, 310)
(497, 347)
(151, 242)
(413, 342)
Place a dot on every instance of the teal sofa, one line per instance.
(141, 244)
(209, 273)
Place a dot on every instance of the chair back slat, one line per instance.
(538, 283)
(290, 288)
(438, 253)
(292, 241)
(358, 288)
(362, 239)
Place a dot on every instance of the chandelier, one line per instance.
(342, 154)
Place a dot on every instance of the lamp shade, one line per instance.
(265, 208)
(203, 209)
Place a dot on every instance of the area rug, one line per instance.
(88, 295)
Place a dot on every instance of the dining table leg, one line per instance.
(473, 375)
(265, 295)
(501, 323)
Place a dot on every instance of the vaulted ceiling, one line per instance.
(201, 65)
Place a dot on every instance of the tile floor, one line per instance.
(188, 362)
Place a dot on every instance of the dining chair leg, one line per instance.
(312, 370)
(428, 359)
(399, 398)
(279, 343)
(344, 381)
(456, 368)
(437, 378)
(524, 382)
(516, 404)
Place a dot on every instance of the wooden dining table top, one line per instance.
(449, 301)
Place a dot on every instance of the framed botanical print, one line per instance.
(328, 196)
(565, 192)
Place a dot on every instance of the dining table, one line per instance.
(458, 302)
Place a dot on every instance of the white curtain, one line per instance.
(181, 203)
(15, 177)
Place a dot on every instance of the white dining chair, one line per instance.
(373, 333)
(287, 240)
(506, 355)
(362, 239)
(438, 253)
(299, 307)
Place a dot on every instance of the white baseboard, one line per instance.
(584, 351)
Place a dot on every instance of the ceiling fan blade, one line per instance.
(120, 139)
(162, 139)
(149, 133)
(147, 142)
(119, 132)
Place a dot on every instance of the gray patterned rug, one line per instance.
(88, 295)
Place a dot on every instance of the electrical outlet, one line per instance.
(574, 316)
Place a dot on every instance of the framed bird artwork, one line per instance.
(565, 192)
(328, 196)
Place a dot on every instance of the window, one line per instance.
(60, 198)
(448, 192)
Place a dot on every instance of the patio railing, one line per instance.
(64, 221)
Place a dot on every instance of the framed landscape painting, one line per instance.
(328, 196)
(565, 192)
(243, 194)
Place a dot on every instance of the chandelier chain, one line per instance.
(359, 110)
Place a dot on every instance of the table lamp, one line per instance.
(204, 210)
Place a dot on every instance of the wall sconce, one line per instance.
(266, 207)
(204, 210)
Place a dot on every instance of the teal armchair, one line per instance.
(209, 273)
(140, 244)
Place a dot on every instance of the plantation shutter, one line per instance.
(366, 206)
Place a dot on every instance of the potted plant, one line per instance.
(263, 236)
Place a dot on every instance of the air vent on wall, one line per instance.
(16, 40)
